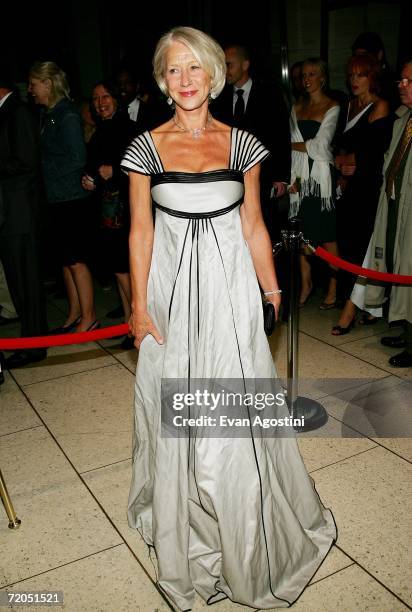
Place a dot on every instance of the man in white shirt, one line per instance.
(129, 87)
(131, 98)
(144, 110)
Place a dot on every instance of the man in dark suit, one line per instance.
(260, 109)
(20, 187)
(146, 112)
(248, 104)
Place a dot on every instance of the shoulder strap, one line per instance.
(141, 156)
(247, 150)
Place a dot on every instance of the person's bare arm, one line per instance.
(257, 237)
(380, 110)
(140, 249)
(299, 146)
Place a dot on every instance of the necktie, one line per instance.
(239, 106)
(398, 157)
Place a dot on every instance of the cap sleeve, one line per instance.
(247, 151)
(140, 156)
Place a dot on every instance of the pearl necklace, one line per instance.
(196, 132)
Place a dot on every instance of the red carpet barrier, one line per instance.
(399, 279)
(13, 344)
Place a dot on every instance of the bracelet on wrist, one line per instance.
(273, 292)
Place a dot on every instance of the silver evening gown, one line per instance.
(228, 517)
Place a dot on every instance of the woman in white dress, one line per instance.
(233, 517)
(313, 123)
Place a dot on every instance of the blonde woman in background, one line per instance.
(69, 210)
(312, 124)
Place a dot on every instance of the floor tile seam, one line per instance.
(10, 433)
(341, 343)
(39, 382)
(361, 434)
(382, 369)
(115, 357)
(366, 450)
(98, 503)
(409, 380)
(370, 335)
(338, 347)
(306, 333)
(51, 569)
(362, 567)
(102, 467)
(391, 450)
(331, 574)
(133, 372)
(375, 441)
(356, 386)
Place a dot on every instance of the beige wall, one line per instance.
(87, 43)
(304, 32)
(303, 29)
(346, 23)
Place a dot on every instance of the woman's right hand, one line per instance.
(293, 188)
(341, 182)
(88, 183)
(141, 325)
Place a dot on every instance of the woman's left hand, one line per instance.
(274, 299)
(106, 172)
(280, 189)
(88, 183)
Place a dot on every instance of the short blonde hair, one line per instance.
(51, 71)
(206, 50)
(323, 68)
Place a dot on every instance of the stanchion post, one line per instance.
(293, 238)
(312, 414)
(14, 522)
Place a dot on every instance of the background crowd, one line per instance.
(64, 200)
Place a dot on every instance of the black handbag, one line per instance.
(269, 318)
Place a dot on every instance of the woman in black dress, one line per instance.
(360, 148)
(313, 123)
(113, 134)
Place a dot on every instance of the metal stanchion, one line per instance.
(314, 413)
(14, 522)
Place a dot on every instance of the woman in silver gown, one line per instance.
(233, 517)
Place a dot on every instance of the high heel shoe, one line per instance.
(95, 325)
(65, 329)
(338, 330)
(327, 305)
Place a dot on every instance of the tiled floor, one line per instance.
(65, 447)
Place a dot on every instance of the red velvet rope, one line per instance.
(399, 279)
(13, 344)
